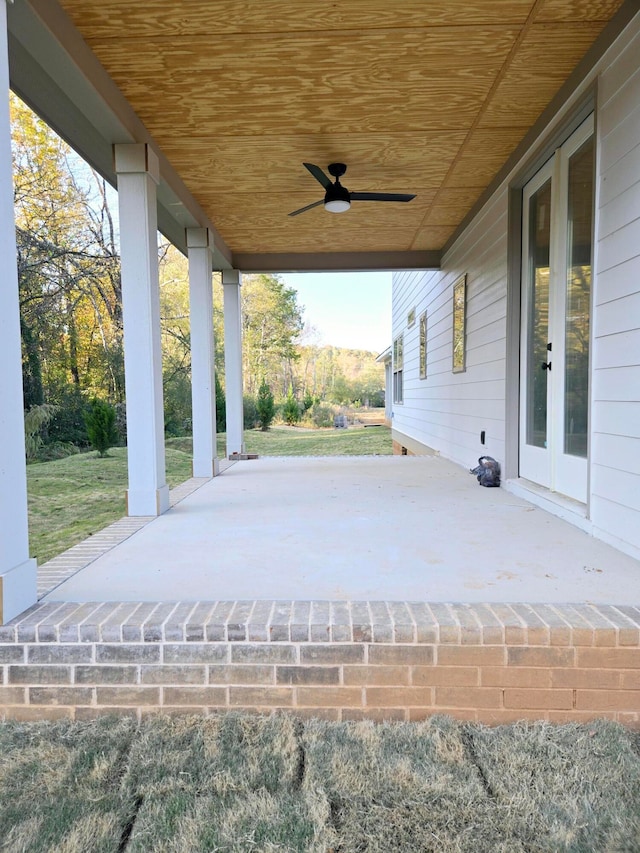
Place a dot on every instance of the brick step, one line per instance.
(492, 663)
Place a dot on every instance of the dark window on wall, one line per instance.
(423, 345)
(397, 370)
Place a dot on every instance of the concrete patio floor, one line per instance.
(355, 528)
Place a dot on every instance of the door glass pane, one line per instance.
(578, 301)
(538, 315)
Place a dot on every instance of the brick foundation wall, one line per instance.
(342, 660)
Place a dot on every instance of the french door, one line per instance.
(555, 325)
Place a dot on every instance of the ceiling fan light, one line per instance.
(337, 205)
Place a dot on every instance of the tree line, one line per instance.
(71, 311)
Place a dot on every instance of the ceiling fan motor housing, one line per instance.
(336, 192)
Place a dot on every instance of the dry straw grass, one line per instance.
(227, 783)
(60, 785)
(400, 787)
(571, 787)
(237, 783)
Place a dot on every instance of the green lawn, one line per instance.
(294, 441)
(298, 441)
(239, 783)
(71, 498)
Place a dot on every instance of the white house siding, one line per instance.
(615, 441)
(447, 411)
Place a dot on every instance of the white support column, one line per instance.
(203, 387)
(17, 571)
(233, 361)
(138, 176)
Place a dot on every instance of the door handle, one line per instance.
(546, 365)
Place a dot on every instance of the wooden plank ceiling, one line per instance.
(415, 97)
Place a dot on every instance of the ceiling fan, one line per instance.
(337, 199)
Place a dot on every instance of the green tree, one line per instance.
(218, 324)
(221, 407)
(341, 391)
(339, 375)
(271, 324)
(250, 413)
(266, 406)
(176, 339)
(68, 271)
(100, 419)
(291, 410)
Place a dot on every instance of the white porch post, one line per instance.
(233, 361)
(388, 390)
(203, 388)
(17, 571)
(138, 176)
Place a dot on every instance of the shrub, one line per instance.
(290, 409)
(376, 399)
(221, 407)
(67, 423)
(35, 420)
(266, 407)
(121, 422)
(57, 450)
(319, 415)
(177, 403)
(250, 412)
(100, 420)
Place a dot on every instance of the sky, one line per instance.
(351, 310)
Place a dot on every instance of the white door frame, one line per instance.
(549, 466)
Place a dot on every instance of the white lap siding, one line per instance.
(615, 440)
(447, 411)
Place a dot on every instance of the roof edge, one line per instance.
(54, 71)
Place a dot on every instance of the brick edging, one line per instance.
(328, 621)
(60, 568)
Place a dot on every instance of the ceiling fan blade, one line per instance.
(381, 197)
(308, 207)
(319, 175)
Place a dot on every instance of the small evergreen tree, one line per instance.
(221, 407)
(100, 420)
(266, 406)
(291, 410)
(250, 412)
(307, 402)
